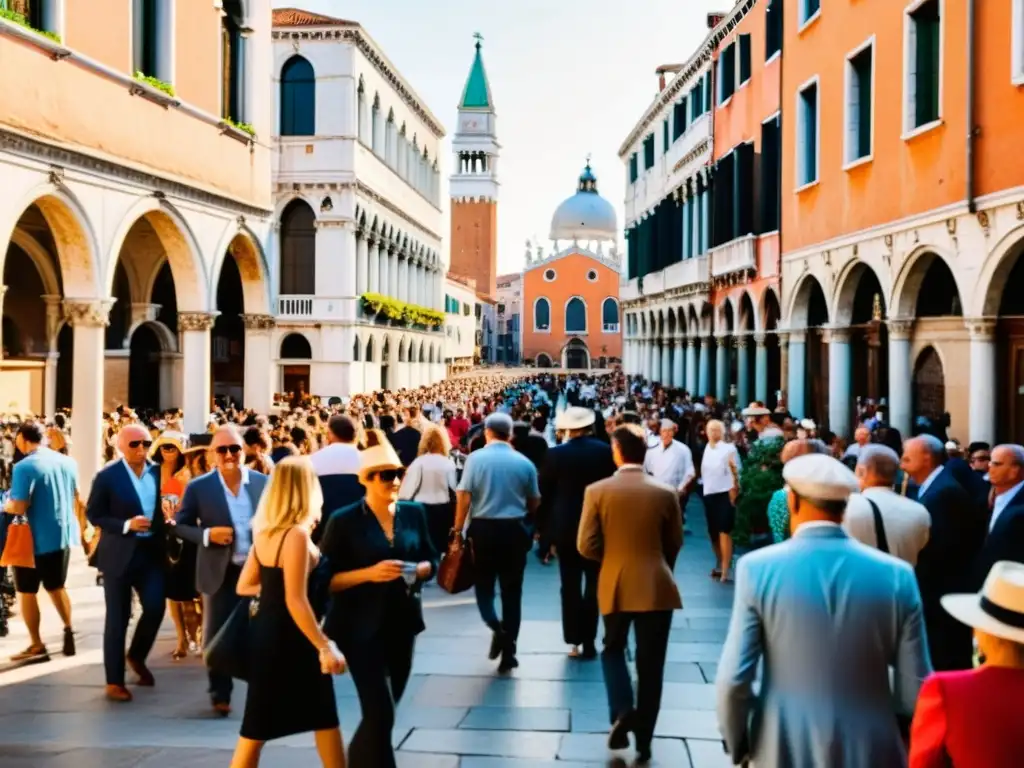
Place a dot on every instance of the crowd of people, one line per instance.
(315, 527)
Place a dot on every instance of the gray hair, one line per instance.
(500, 425)
(1016, 450)
(935, 448)
(881, 461)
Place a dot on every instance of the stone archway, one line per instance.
(576, 355)
(929, 385)
(150, 366)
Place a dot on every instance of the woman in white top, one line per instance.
(719, 472)
(431, 480)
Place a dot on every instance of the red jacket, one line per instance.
(970, 719)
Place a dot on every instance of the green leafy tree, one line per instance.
(760, 478)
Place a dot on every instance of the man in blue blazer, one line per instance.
(124, 504)
(216, 515)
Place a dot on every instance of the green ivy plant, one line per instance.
(21, 21)
(155, 82)
(400, 311)
(243, 127)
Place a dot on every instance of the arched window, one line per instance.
(298, 98)
(542, 315)
(575, 316)
(610, 315)
(369, 350)
(390, 139)
(295, 346)
(232, 62)
(361, 116)
(402, 164)
(376, 129)
(298, 250)
(357, 349)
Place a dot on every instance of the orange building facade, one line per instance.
(903, 213)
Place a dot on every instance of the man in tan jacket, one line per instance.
(633, 525)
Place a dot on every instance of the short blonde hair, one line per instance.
(292, 498)
(715, 423)
(434, 440)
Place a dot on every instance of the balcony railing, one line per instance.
(610, 327)
(735, 256)
(295, 306)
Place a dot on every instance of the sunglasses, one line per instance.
(234, 450)
(389, 475)
(137, 443)
(168, 447)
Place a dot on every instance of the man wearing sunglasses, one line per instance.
(216, 515)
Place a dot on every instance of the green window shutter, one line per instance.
(866, 66)
(745, 64)
(707, 92)
(664, 135)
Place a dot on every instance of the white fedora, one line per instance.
(755, 409)
(999, 608)
(574, 418)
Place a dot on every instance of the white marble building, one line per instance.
(460, 301)
(357, 210)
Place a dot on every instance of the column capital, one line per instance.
(680, 341)
(88, 313)
(899, 327)
(740, 341)
(258, 322)
(759, 338)
(980, 328)
(691, 341)
(196, 321)
(796, 335)
(835, 334)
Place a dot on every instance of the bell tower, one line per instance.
(474, 183)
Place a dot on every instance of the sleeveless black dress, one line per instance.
(287, 693)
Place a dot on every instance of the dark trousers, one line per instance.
(949, 642)
(145, 575)
(380, 670)
(440, 520)
(651, 631)
(579, 595)
(499, 555)
(216, 610)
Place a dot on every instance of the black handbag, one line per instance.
(228, 652)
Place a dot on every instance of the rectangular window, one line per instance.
(649, 152)
(807, 134)
(144, 37)
(697, 100)
(707, 92)
(633, 169)
(808, 10)
(727, 73)
(771, 167)
(923, 64)
(859, 102)
(773, 29)
(679, 119)
(664, 135)
(744, 58)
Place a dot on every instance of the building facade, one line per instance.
(509, 317)
(360, 274)
(571, 298)
(135, 148)
(903, 213)
(460, 301)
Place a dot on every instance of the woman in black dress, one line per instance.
(379, 551)
(290, 659)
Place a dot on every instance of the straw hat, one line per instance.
(755, 409)
(176, 439)
(377, 457)
(574, 418)
(998, 609)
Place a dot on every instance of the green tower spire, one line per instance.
(477, 93)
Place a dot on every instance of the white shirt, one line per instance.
(927, 482)
(715, 470)
(1001, 502)
(429, 479)
(336, 459)
(907, 523)
(672, 466)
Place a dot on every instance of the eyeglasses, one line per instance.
(137, 443)
(389, 475)
(168, 447)
(234, 450)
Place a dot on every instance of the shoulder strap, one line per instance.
(883, 542)
(280, 546)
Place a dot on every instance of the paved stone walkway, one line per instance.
(457, 713)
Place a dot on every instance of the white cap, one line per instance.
(820, 477)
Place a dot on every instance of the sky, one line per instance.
(568, 78)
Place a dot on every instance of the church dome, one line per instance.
(586, 215)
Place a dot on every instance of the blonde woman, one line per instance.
(290, 688)
(431, 480)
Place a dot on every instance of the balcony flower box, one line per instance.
(399, 312)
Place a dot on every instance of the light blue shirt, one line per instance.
(1001, 502)
(923, 488)
(146, 490)
(46, 481)
(500, 481)
(241, 510)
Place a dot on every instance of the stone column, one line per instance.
(666, 362)
(372, 266)
(89, 319)
(649, 351)
(760, 369)
(362, 264)
(50, 384)
(783, 337)
(983, 374)
(258, 384)
(678, 379)
(691, 366)
(54, 315)
(722, 368)
(195, 346)
(402, 294)
(900, 411)
(839, 398)
(704, 373)
(742, 371)
(656, 361)
(797, 372)
(393, 275)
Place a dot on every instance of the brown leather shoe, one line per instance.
(222, 708)
(146, 679)
(118, 693)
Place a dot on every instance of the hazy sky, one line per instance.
(568, 78)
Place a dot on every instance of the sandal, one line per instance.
(716, 574)
(177, 654)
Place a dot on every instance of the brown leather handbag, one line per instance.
(456, 573)
(19, 550)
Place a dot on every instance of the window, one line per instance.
(634, 172)
(362, 128)
(744, 58)
(501, 309)
(697, 100)
(233, 46)
(592, 275)
(923, 64)
(575, 316)
(679, 118)
(144, 36)
(298, 98)
(610, 315)
(807, 134)
(295, 346)
(773, 29)
(707, 91)
(298, 250)
(771, 169)
(727, 73)
(542, 315)
(376, 132)
(664, 135)
(549, 275)
(649, 152)
(41, 15)
(808, 10)
(859, 102)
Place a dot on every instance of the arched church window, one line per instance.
(298, 250)
(298, 98)
(610, 315)
(542, 315)
(575, 316)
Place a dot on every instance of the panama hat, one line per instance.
(176, 439)
(998, 609)
(379, 454)
(575, 418)
(756, 409)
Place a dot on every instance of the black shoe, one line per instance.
(588, 652)
(643, 754)
(69, 642)
(497, 641)
(618, 736)
(508, 663)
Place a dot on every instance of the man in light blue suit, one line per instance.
(828, 616)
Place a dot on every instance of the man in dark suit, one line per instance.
(1005, 539)
(216, 515)
(568, 469)
(406, 439)
(124, 504)
(947, 563)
